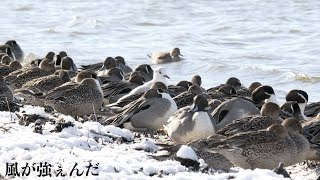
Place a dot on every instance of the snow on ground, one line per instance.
(91, 149)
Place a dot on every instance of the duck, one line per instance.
(299, 97)
(263, 94)
(234, 108)
(166, 57)
(114, 90)
(269, 115)
(145, 71)
(190, 123)
(180, 87)
(33, 91)
(46, 83)
(247, 92)
(15, 53)
(263, 149)
(5, 70)
(186, 98)
(113, 75)
(232, 81)
(45, 68)
(107, 64)
(121, 64)
(6, 60)
(294, 129)
(196, 79)
(148, 113)
(223, 93)
(5, 91)
(78, 99)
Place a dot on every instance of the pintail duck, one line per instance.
(13, 49)
(294, 129)
(191, 123)
(76, 99)
(232, 81)
(223, 93)
(269, 115)
(114, 90)
(145, 71)
(235, 108)
(299, 97)
(121, 64)
(148, 113)
(196, 79)
(33, 91)
(247, 92)
(6, 60)
(263, 149)
(13, 66)
(101, 67)
(113, 75)
(44, 84)
(166, 57)
(263, 94)
(5, 92)
(181, 87)
(186, 98)
(45, 68)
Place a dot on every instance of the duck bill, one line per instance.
(166, 76)
(193, 108)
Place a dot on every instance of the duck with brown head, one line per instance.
(166, 57)
(16, 50)
(114, 90)
(5, 92)
(269, 115)
(186, 98)
(45, 68)
(7, 69)
(107, 64)
(263, 149)
(148, 113)
(191, 122)
(76, 99)
(232, 81)
(146, 71)
(5, 60)
(122, 65)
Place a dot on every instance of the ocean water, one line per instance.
(274, 42)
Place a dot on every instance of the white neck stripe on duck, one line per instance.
(302, 107)
(305, 100)
(272, 99)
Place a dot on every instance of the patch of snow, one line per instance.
(146, 145)
(29, 110)
(187, 153)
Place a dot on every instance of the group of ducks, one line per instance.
(245, 125)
